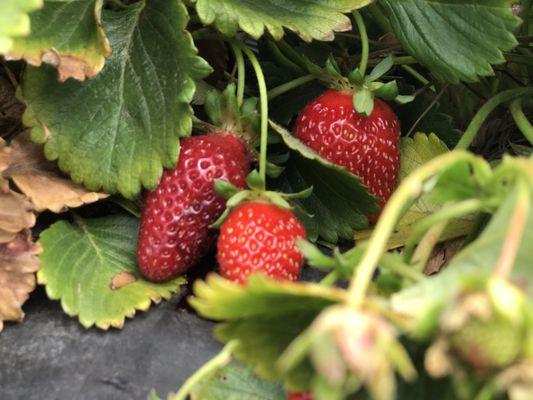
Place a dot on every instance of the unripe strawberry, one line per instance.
(174, 232)
(260, 237)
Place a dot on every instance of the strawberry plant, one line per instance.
(357, 174)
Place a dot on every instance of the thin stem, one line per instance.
(452, 211)
(281, 89)
(521, 120)
(364, 42)
(417, 75)
(407, 192)
(517, 225)
(217, 362)
(405, 60)
(263, 96)
(400, 268)
(330, 278)
(425, 248)
(282, 58)
(484, 112)
(292, 54)
(427, 110)
(241, 73)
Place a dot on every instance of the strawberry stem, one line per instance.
(515, 233)
(508, 95)
(453, 211)
(217, 362)
(263, 96)
(364, 42)
(241, 73)
(521, 120)
(407, 192)
(288, 86)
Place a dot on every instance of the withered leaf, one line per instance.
(19, 262)
(16, 213)
(24, 163)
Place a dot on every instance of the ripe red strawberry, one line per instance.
(174, 232)
(366, 146)
(300, 396)
(259, 236)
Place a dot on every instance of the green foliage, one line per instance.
(456, 40)
(236, 382)
(90, 266)
(415, 152)
(265, 316)
(339, 201)
(68, 35)
(422, 300)
(317, 19)
(120, 129)
(14, 20)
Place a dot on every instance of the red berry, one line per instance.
(300, 396)
(366, 146)
(174, 232)
(260, 237)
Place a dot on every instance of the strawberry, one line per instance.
(300, 396)
(260, 236)
(366, 146)
(174, 232)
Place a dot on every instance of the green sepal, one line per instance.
(315, 258)
(232, 202)
(226, 189)
(356, 77)
(304, 194)
(404, 99)
(273, 170)
(386, 91)
(363, 101)
(381, 69)
(222, 108)
(254, 181)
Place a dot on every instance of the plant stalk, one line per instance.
(521, 120)
(263, 96)
(284, 88)
(364, 42)
(241, 73)
(407, 192)
(217, 362)
(484, 112)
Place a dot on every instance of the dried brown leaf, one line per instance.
(442, 254)
(40, 180)
(16, 213)
(19, 262)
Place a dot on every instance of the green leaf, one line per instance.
(421, 300)
(120, 129)
(456, 40)
(265, 316)
(90, 266)
(339, 201)
(236, 382)
(415, 152)
(311, 19)
(68, 35)
(14, 20)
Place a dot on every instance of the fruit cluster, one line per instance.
(257, 235)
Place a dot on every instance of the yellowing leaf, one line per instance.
(76, 45)
(18, 264)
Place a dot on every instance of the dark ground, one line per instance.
(50, 356)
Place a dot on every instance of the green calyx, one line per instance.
(256, 192)
(224, 113)
(366, 88)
